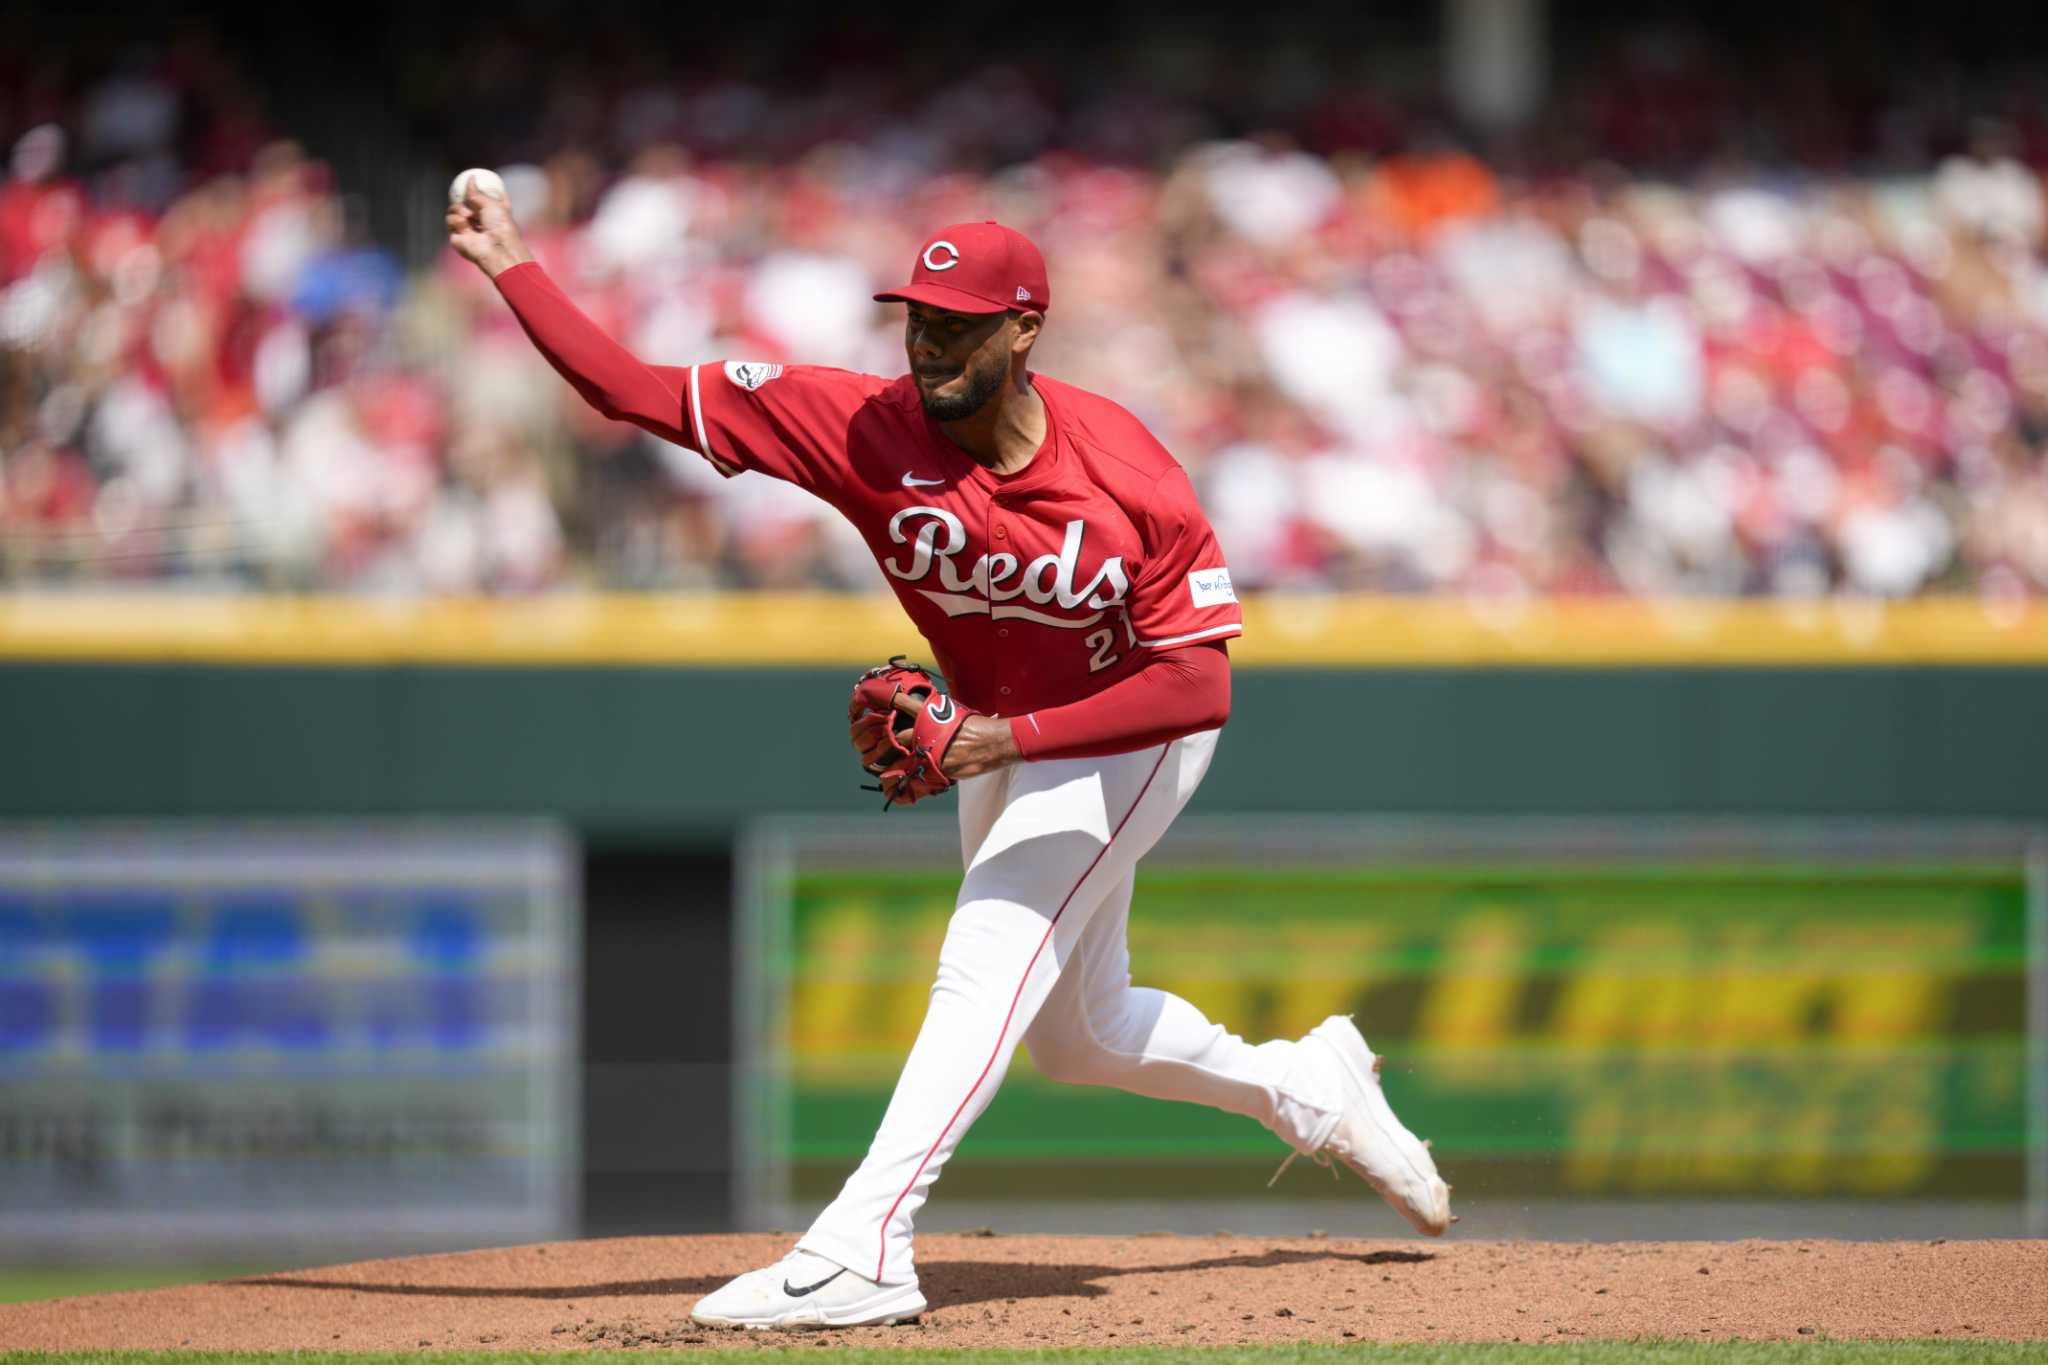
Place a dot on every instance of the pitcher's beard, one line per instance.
(981, 386)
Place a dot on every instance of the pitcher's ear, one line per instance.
(1028, 321)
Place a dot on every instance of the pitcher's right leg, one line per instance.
(1097, 1029)
(1321, 1094)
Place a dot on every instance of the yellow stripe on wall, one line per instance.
(1281, 631)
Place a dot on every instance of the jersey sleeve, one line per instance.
(1182, 595)
(1177, 692)
(788, 422)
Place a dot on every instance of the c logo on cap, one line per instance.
(952, 259)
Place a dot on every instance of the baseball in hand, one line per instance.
(488, 183)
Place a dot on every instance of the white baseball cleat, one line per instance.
(1370, 1140)
(803, 1291)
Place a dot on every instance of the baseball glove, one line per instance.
(900, 724)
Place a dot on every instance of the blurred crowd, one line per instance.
(1388, 363)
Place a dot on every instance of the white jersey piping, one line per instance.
(1234, 628)
(697, 422)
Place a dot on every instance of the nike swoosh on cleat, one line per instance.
(796, 1293)
(912, 481)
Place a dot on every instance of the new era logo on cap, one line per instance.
(976, 268)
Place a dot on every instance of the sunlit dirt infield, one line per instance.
(1079, 1291)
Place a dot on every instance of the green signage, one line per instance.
(1724, 1026)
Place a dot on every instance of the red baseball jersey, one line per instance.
(1033, 589)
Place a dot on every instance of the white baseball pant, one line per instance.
(1036, 951)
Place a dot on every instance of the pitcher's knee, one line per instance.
(1063, 1059)
(1083, 1051)
(1070, 1052)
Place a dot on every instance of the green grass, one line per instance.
(1593, 1353)
(19, 1284)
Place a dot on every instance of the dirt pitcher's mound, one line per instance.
(1083, 1291)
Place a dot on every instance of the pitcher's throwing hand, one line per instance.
(481, 230)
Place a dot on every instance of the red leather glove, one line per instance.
(901, 724)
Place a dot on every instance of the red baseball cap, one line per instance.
(976, 268)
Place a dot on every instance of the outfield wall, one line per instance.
(645, 728)
(677, 717)
(625, 751)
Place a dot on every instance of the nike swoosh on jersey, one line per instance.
(798, 1291)
(912, 481)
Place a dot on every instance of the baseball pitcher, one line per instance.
(1057, 563)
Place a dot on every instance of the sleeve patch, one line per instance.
(751, 374)
(1211, 587)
